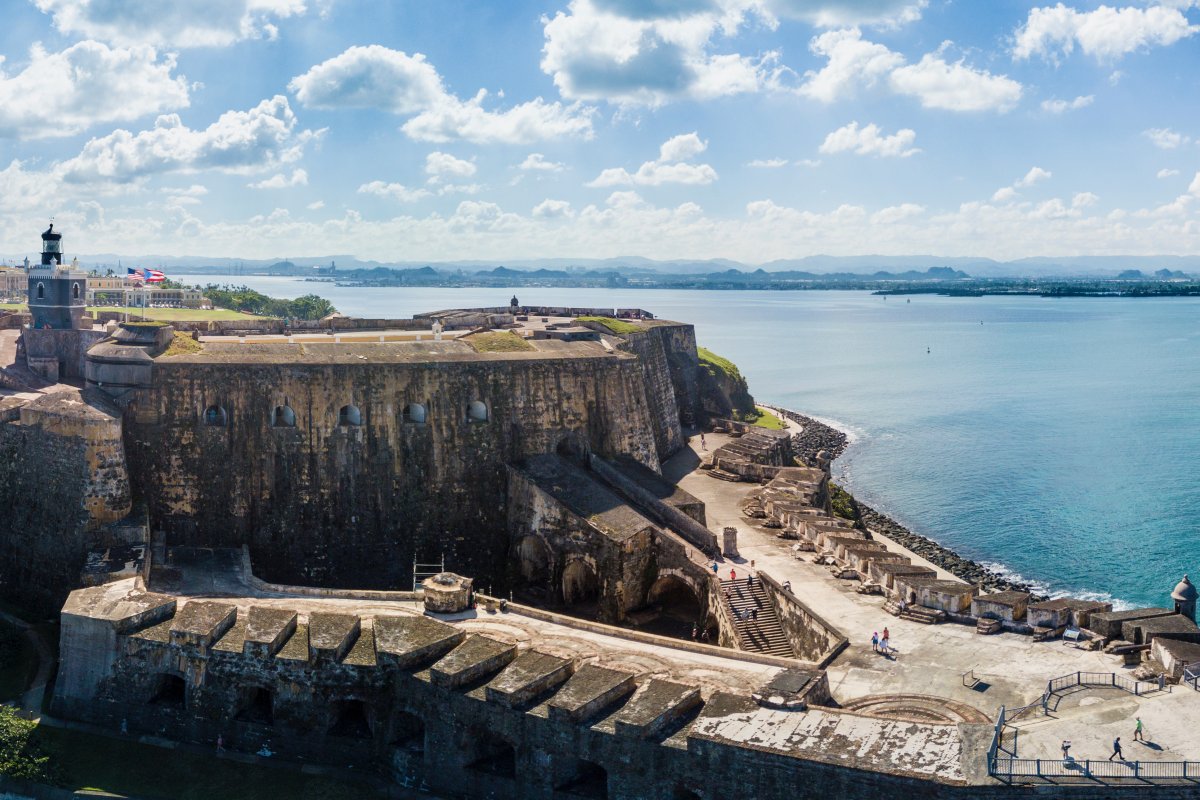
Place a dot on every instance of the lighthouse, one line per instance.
(56, 292)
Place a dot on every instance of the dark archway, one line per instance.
(350, 719)
(585, 779)
(350, 416)
(574, 448)
(283, 417)
(533, 557)
(486, 752)
(678, 607)
(258, 706)
(414, 414)
(170, 691)
(579, 583)
(215, 417)
(408, 732)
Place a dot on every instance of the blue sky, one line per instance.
(744, 129)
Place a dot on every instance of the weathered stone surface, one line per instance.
(408, 642)
(200, 623)
(267, 629)
(590, 690)
(473, 659)
(330, 636)
(655, 706)
(528, 676)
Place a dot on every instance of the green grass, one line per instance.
(713, 361)
(765, 419)
(617, 326)
(497, 342)
(167, 314)
(182, 344)
(18, 662)
(82, 760)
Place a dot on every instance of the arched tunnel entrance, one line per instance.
(675, 608)
(580, 587)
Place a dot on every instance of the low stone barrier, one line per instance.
(812, 638)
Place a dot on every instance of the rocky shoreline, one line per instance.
(816, 436)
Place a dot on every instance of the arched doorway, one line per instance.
(579, 584)
(533, 557)
(678, 608)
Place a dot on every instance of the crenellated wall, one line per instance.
(353, 505)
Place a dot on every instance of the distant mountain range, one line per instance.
(842, 266)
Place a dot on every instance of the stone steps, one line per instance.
(926, 616)
(722, 475)
(762, 635)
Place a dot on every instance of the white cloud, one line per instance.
(62, 94)
(299, 177)
(1056, 106)
(552, 209)
(1034, 175)
(1166, 173)
(178, 23)
(898, 213)
(315, 205)
(1004, 194)
(811, 163)
(768, 163)
(869, 141)
(1084, 200)
(671, 166)
(647, 54)
(263, 138)
(394, 191)
(381, 78)
(1166, 139)
(195, 190)
(838, 13)
(955, 87)
(1194, 187)
(440, 165)
(853, 62)
(537, 162)
(460, 188)
(1106, 33)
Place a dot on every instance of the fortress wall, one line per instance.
(812, 638)
(651, 350)
(68, 346)
(352, 506)
(62, 476)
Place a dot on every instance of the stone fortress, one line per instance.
(484, 552)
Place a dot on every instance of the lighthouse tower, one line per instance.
(56, 292)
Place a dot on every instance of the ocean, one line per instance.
(1052, 439)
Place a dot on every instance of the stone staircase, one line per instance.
(762, 635)
(926, 616)
(722, 475)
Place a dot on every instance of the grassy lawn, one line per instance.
(167, 314)
(768, 420)
(497, 342)
(617, 326)
(85, 760)
(18, 662)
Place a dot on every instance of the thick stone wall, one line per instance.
(348, 505)
(652, 348)
(62, 476)
(68, 347)
(812, 638)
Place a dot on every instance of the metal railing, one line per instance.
(1191, 675)
(1102, 679)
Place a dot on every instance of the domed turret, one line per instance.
(1185, 598)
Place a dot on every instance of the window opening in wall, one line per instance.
(259, 707)
(41, 291)
(214, 417)
(74, 291)
(283, 417)
(585, 779)
(477, 411)
(414, 413)
(491, 754)
(349, 415)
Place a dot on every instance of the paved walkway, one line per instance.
(930, 659)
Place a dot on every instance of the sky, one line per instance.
(753, 130)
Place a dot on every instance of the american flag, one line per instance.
(147, 275)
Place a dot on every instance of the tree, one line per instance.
(20, 754)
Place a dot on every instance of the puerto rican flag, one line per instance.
(146, 275)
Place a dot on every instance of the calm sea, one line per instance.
(1056, 439)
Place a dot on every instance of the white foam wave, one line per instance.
(1041, 587)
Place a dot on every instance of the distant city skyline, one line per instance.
(751, 130)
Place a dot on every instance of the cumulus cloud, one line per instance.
(937, 83)
(893, 214)
(1084, 200)
(1166, 139)
(89, 83)
(822, 13)
(179, 23)
(393, 191)
(869, 140)
(634, 53)
(440, 165)
(315, 205)
(299, 177)
(853, 62)
(261, 139)
(1106, 33)
(536, 162)
(1004, 194)
(1034, 175)
(1056, 106)
(768, 163)
(672, 166)
(381, 78)
(552, 209)
(1194, 187)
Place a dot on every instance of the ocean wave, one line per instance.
(1041, 587)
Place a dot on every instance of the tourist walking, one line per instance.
(883, 643)
(1066, 748)
(715, 570)
(1137, 731)
(732, 574)
(886, 634)
(875, 641)
(703, 446)
(1116, 753)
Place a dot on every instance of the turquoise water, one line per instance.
(1056, 440)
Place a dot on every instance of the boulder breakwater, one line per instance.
(816, 436)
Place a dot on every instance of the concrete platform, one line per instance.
(473, 659)
(655, 706)
(267, 629)
(331, 635)
(412, 641)
(529, 675)
(590, 690)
